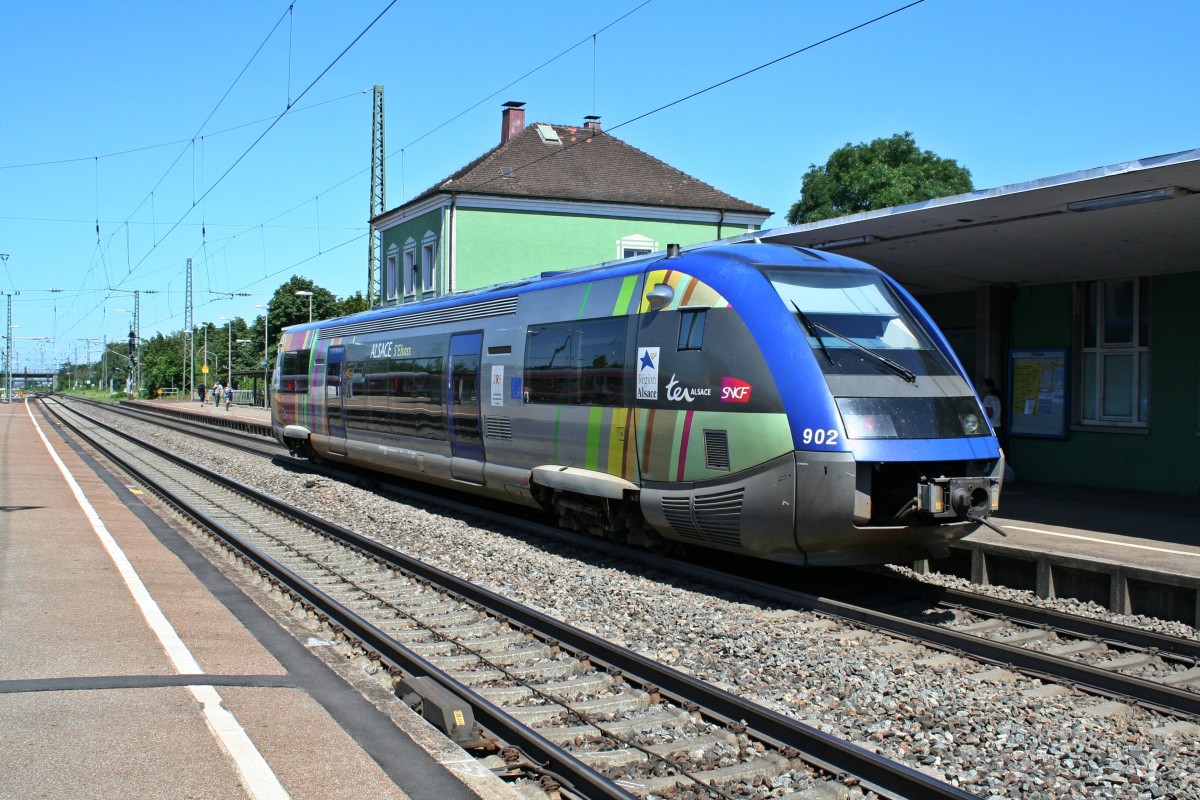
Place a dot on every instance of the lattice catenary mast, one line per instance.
(377, 196)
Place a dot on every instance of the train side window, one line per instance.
(601, 361)
(691, 329)
(549, 371)
(293, 372)
(576, 363)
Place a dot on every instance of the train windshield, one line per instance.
(856, 324)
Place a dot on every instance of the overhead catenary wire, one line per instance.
(269, 127)
(543, 65)
(705, 90)
(659, 109)
(291, 104)
(292, 108)
(187, 141)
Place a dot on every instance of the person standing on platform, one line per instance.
(201, 389)
(994, 408)
(228, 396)
(216, 394)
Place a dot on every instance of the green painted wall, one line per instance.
(498, 246)
(1164, 459)
(414, 228)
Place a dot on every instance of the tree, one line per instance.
(352, 305)
(884, 173)
(289, 309)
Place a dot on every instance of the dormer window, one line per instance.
(635, 245)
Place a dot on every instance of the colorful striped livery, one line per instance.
(775, 401)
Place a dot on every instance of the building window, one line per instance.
(428, 263)
(410, 267)
(1115, 338)
(392, 274)
(635, 245)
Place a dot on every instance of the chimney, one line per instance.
(592, 123)
(512, 121)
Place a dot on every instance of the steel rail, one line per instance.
(574, 774)
(1160, 697)
(1157, 696)
(1082, 627)
(196, 425)
(823, 750)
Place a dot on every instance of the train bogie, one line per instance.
(758, 399)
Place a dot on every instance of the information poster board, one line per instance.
(1039, 393)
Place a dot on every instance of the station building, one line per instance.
(547, 198)
(1079, 295)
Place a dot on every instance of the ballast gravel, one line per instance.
(990, 732)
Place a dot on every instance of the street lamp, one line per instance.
(309, 295)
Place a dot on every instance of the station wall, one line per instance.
(1161, 455)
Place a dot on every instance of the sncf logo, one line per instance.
(735, 391)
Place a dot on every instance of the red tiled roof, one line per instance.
(585, 165)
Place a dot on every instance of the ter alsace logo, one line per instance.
(735, 391)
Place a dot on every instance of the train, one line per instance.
(779, 402)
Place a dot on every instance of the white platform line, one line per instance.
(1166, 550)
(258, 778)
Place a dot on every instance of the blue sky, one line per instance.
(105, 120)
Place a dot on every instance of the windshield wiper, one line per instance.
(812, 326)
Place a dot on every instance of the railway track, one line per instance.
(1114, 661)
(582, 716)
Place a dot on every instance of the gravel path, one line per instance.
(986, 730)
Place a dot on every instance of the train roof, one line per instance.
(749, 254)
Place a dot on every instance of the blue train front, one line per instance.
(768, 400)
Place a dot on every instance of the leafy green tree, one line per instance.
(288, 308)
(353, 304)
(162, 363)
(884, 173)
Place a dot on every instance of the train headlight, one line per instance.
(971, 424)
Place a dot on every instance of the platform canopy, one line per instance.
(1135, 218)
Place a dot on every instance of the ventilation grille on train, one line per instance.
(716, 450)
(711, 518)
(497, 427)
(484, 308)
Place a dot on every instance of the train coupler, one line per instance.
(961, 498)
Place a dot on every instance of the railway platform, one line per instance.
(132, 667)
(1128, 551)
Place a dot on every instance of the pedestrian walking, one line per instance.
(228, 397)
(216, 394)
(202, 390)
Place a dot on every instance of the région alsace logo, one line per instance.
(735, 391)
(647, 373)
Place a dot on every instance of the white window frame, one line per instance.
(429, 262)
(635, 244)
(391, 275)
(1111, 365)
(409, 266)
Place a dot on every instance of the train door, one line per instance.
(334, 410)
(463, 421)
